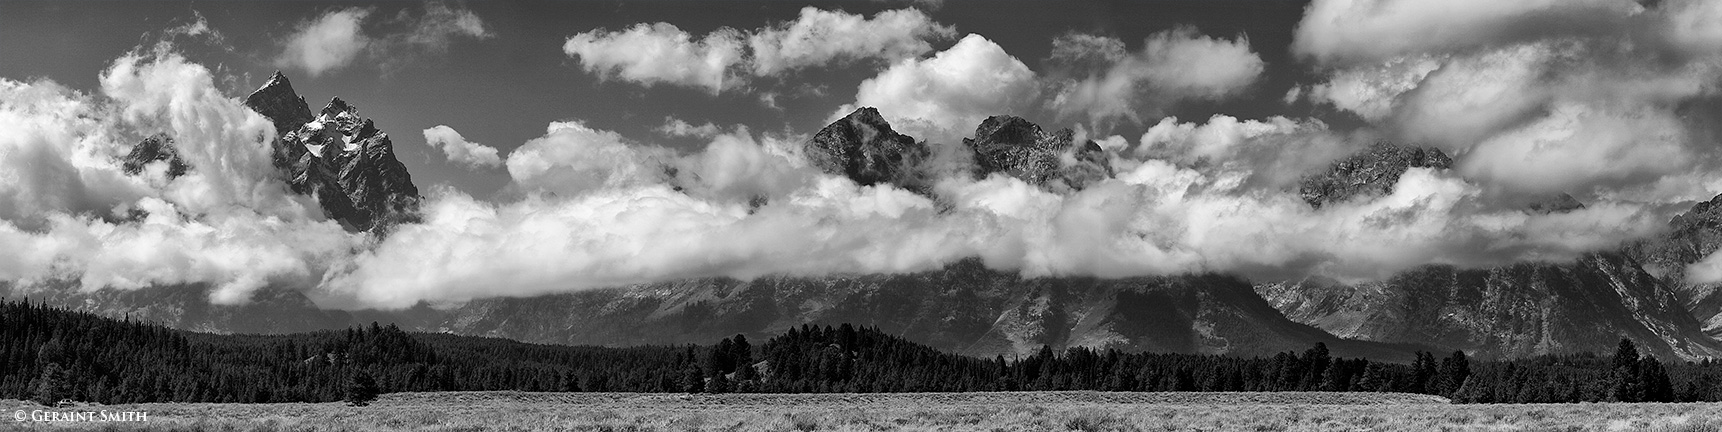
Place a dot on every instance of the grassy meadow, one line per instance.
(1036, 411)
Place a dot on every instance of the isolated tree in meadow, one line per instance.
(1317, 360)
(1454, 370)
(361, 389)
(1624, 384)
(719, 384)
(1653, 382)
(52, 385)
(693, 380)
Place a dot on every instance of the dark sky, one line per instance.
(503, 90)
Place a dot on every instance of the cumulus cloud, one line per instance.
(818, 37)
(1534, 97)
(338, 38)
(943, 97)
(1105, 82)
(71, 215)
(459, 150)
(1273, 153)
(1157, 217)
(326, 43)
(571, 159)
(661, 53)
(1534, 110)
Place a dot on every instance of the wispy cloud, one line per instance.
(337, 38)
(726, 59)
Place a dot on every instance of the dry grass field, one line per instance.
(1042, 411)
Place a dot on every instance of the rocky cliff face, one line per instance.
(1372, 172)
(1691, 237)
(1019, 148)
(338, 157)
(863, 147)
(1517, 310)
(156, 148)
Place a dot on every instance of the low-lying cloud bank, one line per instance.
(593, 208)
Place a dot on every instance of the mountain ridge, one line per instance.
(349, 165)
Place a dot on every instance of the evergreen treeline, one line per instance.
(49, 354)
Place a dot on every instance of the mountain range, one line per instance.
(348, 165)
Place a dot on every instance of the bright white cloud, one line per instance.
(819, 37)
(71, 215)
(942, 98)
(1173, 65)
(1534, 97)
(329, 42)
(597, 209)
(1582, 144)
(573, 159)
(1375, 30)
(459, 150)
(1275, 152)
(661, 53)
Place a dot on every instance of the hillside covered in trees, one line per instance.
(49, 354)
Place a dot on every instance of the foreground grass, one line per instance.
(1041, 411)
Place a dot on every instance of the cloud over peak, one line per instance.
(329, 42)
(1102, 81)
(941, 98)
(1534, 97)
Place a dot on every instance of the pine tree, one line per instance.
(1316, 360)
(693, 381)
(1454, 370)
(1624, 384)
(719, 384)
(361, 389)
(51, 385)
(1653, 381)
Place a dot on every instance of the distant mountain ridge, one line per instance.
(1510, 311)
(1515, 310)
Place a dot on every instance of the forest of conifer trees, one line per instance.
(50, 355)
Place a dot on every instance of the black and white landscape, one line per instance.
(1476, 200)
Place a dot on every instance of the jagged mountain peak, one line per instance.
(277, 80)
(1017, 147)
(337, 107)
(338, 157)
(1372, 171)
(1011, 129)
(277, 100)
(863, 147)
